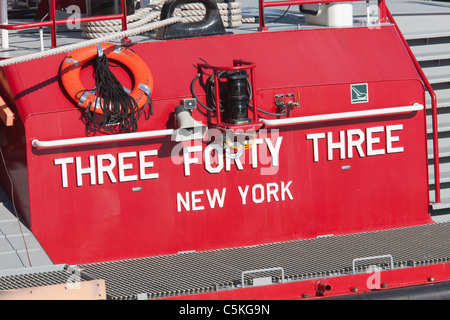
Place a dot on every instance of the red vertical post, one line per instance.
(217, 92)
(382, 11)
(124, 19)
(437, 183)
(53, 20)
(262, 22)
(252, 83)
(124, 15)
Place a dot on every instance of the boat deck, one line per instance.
(208, 271)
(22, 42)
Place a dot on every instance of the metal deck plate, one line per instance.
(196, 272)
(57, 282)
(19, 248)
(37, 276)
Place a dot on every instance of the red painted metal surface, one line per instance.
(124, 15)
(146, 197)
(338, 285)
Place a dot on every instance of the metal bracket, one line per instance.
(262, 270)
(189, 104)
(145, 89)
(372, 258)
(99, 51)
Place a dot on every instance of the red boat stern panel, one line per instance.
(353, 159)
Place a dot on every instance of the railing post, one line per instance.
(124, 15)
(53, 20)
(124, 19)
(382, 11)
(437, 183)
(262, 22)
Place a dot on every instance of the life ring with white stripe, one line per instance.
(74, 62)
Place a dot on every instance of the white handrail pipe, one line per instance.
(342, 115)
(109, 138)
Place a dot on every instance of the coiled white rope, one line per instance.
(147, 20)
(231, 15)
(113, 36)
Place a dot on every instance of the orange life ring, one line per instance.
(74, 62)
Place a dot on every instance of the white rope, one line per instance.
(130, 19)
(141, 22)
(231, 15)
(105, 29)
(114, 36)
(250, 19)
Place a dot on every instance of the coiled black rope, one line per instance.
(120, 110)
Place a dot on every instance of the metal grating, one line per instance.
(196, 272)
(38, 277)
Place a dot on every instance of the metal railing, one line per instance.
(391, 260)
(384, 16)
(343, 115)
(53, 22)
(262, 4)
(437, 183)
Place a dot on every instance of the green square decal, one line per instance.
(359, 93)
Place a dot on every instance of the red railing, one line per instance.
(437, 183)
(237, 66)
(53, 22)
